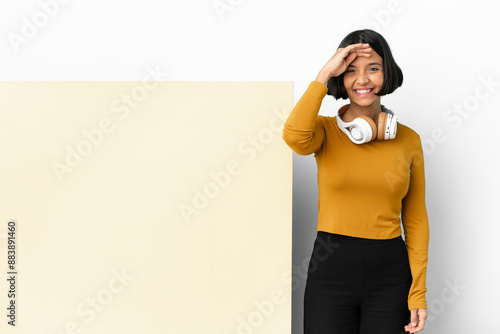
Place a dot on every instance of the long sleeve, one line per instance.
(303, 131)
(416, 228)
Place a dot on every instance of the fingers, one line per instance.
(417, 320)
(361, 49)
(417, 328)
(413, 322)
(352, 51)
(344, 56)
(350, 58)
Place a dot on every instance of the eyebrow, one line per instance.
(370, 64)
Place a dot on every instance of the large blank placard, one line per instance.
(145, 207)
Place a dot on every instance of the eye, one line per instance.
(349, 70)
(374, 69)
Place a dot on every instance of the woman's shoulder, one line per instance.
(407, 131)
(409, 137)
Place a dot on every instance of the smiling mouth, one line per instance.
(363, 91)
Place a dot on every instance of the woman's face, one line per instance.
(363, 78)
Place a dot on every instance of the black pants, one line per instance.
(357, 286)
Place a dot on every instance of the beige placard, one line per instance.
(145, 207)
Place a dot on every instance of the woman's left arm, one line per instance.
(416, 228)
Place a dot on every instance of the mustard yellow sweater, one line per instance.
(364, 188)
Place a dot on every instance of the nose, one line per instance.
(362, 78)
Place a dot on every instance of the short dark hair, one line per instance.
(393, 76)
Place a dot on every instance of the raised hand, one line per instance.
(341, 59)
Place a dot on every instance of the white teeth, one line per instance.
(364, 91)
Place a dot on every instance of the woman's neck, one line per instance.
(356, 110)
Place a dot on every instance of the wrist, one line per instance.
(323, 77)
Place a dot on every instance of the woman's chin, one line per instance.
(364, 102)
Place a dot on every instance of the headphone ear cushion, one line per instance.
(372, 126)
(382, 120)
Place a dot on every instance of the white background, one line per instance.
(447, 50)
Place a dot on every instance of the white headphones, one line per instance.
(363, 129)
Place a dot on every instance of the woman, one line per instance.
(362, 276)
